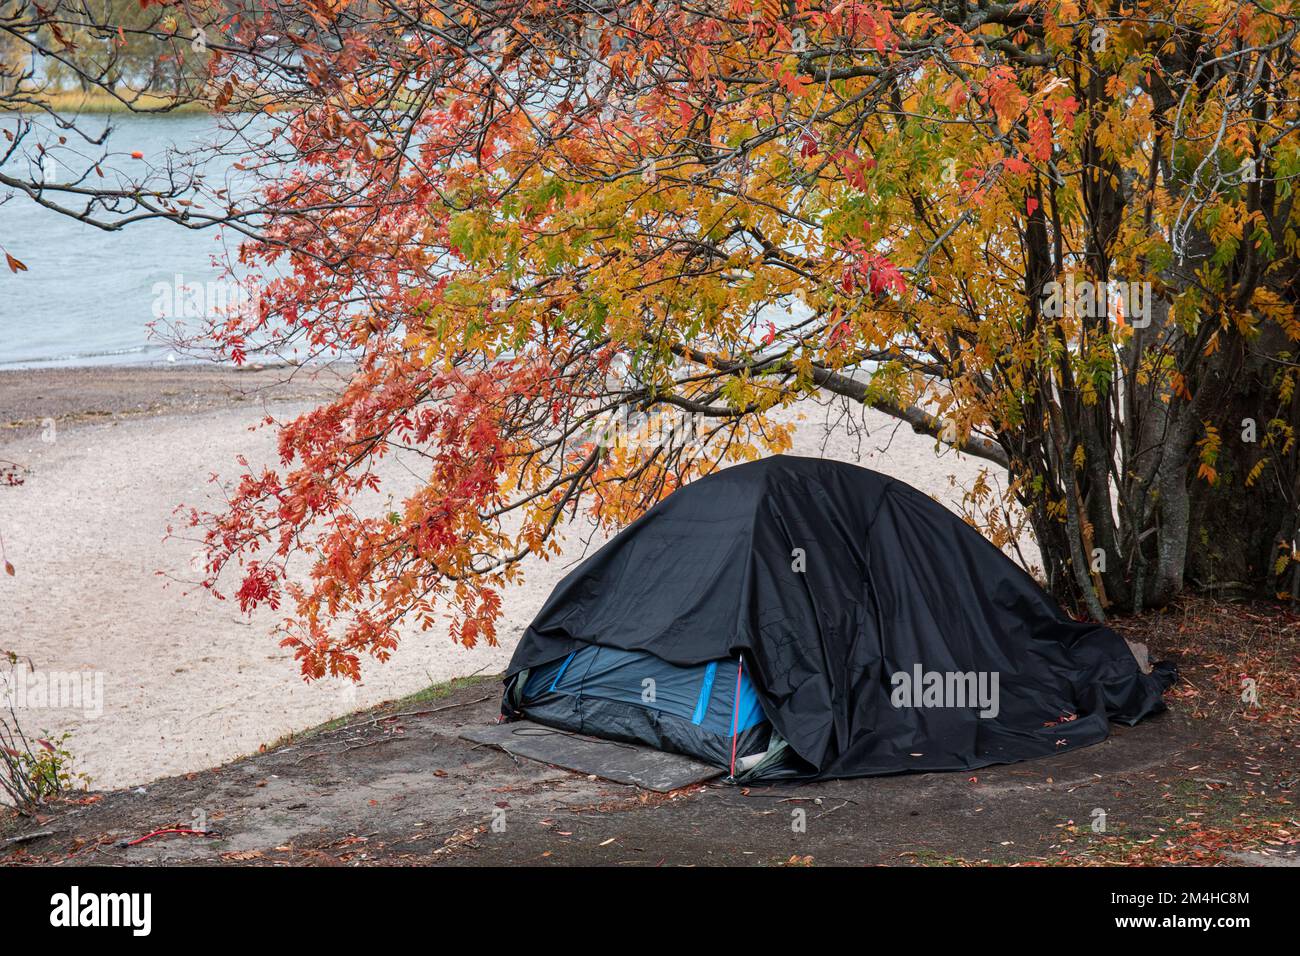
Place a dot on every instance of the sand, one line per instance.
(188, 681)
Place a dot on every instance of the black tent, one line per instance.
(797, 617)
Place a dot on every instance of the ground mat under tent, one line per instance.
(607, 759)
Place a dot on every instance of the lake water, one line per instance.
(89, 295)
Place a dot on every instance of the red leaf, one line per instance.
(1030, 206)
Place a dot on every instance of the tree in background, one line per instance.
(120, 48)
(1059, 237)
(121, 43)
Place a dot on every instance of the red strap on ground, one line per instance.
(150, 836)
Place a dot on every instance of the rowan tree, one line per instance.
(1059, 237)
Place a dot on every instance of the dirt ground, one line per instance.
(1210, 782)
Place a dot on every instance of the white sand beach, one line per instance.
(188, 681)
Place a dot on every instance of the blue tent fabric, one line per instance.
(635, 696)
(705, 694)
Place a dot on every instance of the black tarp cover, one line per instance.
(890, 580)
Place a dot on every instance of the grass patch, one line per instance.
(100, 101)
(426, 696)
(935, 858)
(1188, 843)
(1205, 821)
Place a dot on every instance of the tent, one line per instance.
(803, 618)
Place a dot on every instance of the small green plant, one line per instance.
(50, 767)
(32, 770)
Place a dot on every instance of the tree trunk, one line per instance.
(1239, 530)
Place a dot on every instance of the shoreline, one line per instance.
(95, 393)
(99, 102)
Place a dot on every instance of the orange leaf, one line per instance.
(14, 264)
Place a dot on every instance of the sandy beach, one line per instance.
(188, 681)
